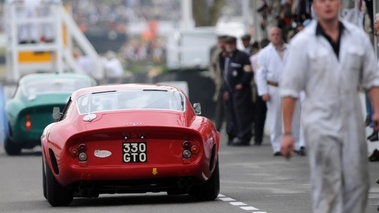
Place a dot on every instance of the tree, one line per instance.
(205, 13)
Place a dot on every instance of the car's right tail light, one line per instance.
(189, 149)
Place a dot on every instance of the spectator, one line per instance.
(237, 95)
(85, 62)
(47, 29)
(271, 61)
(248, 49)
(260, 108)
(217, 62)
(28, 32)
(113, 68)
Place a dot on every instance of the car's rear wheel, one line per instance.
(11, 148)
(56, 194)
(210, 189)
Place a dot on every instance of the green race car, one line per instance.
(30, 109)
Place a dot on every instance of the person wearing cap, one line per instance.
(271, 60)
(217, 56)
(248, 49)
(237, 94)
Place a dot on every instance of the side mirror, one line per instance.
(197, 108)
(56, 114)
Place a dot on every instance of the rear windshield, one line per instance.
(55, 86)
(131, 99)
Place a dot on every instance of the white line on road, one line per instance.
(228, 199)
(242, 205)
(238, 204)
(248, 208)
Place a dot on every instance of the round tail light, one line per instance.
(186, 145)
(186, 153)
(194, 149)
(74, 152)
(82, 156)
(82, 147)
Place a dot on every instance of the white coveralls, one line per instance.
(332, 116)
(45, 10)
(26, 9)
(270, 69)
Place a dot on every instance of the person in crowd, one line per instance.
(84, 62)
(329, 60)
(237, 95)
(217, 57)
(248, 49)
(374, 156)
(271, 61)
(260, 108)
(113, 68)
(47, 29)
(26, 32)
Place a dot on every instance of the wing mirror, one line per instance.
(197, 108)
(56, 114)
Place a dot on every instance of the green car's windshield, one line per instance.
(46, 86)
(131, 99)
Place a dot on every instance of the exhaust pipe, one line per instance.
(87, 189)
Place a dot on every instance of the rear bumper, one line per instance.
(180, 185)
(198, 172)
(26, 139)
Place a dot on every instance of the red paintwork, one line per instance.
(164, 133)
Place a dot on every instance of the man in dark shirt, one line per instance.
(237, 74)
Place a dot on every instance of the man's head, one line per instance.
(246, 40)
(221, 42)
(231, 44)
(327, 10)
(376, 26)
(275, 36)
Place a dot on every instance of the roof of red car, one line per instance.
(119, 87)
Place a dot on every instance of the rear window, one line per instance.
(131, 99)
(55, 86)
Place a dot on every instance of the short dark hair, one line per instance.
(246, 37)
(222, 37)
(231, 40)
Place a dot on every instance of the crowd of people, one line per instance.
(315, 75)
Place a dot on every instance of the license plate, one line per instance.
(134, 152)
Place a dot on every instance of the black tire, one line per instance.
(56, 194)
(210, 189)
(11, 148)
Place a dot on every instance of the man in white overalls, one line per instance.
(271, 60)
(330, 60)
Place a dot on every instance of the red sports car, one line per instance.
(130, 138)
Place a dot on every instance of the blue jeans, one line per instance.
(370, 111)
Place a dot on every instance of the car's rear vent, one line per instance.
(53, 161)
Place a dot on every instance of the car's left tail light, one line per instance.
(28, 123)
(79, 152)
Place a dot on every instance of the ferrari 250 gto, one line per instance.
(130, 138)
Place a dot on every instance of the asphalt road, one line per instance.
(252, 180)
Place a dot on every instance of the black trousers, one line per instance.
(260, 111)
(219, 111)
(239, 114)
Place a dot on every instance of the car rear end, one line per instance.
(137, 159)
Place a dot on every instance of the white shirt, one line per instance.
(330, 84)
(270, 67)
(113, 68)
